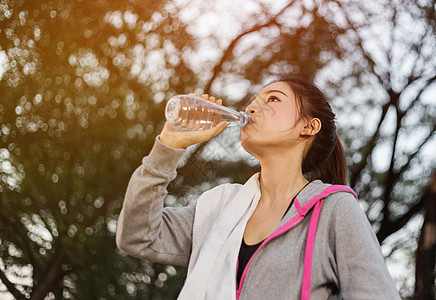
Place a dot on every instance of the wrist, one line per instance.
(170, 143)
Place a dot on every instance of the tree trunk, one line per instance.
(426, 252)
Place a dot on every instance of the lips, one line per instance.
(251, 120)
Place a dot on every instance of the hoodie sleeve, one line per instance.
(146, 229)
(361, 267)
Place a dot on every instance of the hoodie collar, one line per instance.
(312, 189)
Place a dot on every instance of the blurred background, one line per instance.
(83, 86)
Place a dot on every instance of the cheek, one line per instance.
(284, 122)
(281, 120)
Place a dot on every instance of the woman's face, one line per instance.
(275, 117)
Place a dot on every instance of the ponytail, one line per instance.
(334, 170)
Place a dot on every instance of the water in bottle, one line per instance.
(188, 112)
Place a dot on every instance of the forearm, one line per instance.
(145, 228)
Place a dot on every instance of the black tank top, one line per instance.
(246, 251)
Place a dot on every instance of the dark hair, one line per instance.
(325, 159)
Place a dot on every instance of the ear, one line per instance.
(311, 127)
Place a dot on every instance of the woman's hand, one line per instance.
(181, 139)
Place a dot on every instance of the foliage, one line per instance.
(83, 84)
(81, 104)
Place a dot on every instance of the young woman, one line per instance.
(292, 231)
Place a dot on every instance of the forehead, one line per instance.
(278, 86)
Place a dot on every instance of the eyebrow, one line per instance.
(269, 92)
(277, 91)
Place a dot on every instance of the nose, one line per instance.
(251, 109)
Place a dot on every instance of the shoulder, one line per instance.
(219, 195)
(335, 196)
(345, 213)
(211, 202)
(343, 200)
(222, 189)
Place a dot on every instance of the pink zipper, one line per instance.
(284, 228)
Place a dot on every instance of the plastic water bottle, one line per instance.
(188, 112)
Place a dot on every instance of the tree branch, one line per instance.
(429, 81)
(11, 287)
(394, 226)
(365, 53)
(401, 245)
(49, 278)
(23, 242)
(412, 155)
(392, 38)
(227, 53)
(391, 175)
(417, 48)
(369, 146)
(229, 50)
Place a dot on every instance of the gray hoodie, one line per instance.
(346, 254)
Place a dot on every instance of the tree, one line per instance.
(80, 105)
(377, 63)
(83, 85)
(401, 67)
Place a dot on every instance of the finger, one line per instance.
(204, 96)
(225, 123)
(212, 99)
(219, 101)
(222, 125)
(193, 94)
(217, 129)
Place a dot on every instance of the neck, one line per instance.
(280, 179)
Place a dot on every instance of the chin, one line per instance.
(252, 153)
(252, 146)
(246, 143)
